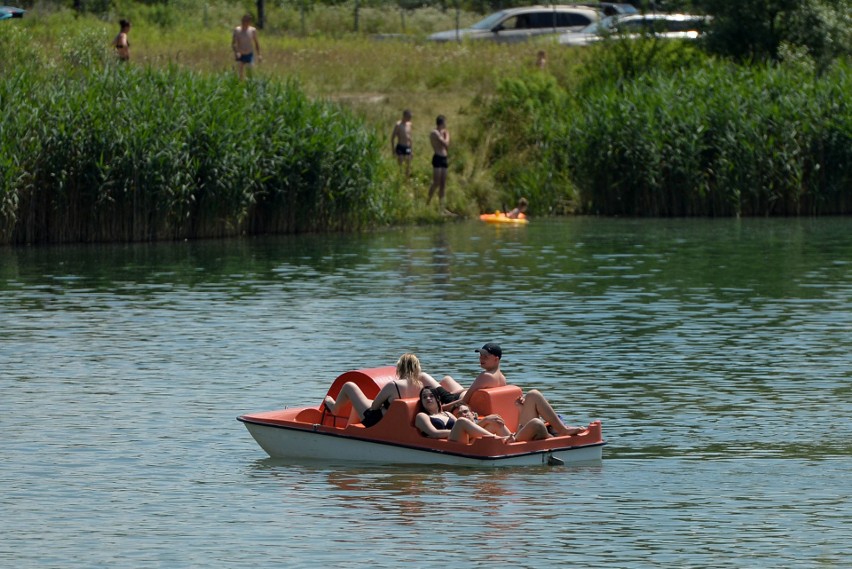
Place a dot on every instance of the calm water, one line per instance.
(718, 355)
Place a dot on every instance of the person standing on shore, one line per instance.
(245, 46)
(440, 139)
(401, 141)
(121, 43)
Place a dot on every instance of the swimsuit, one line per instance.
(439, 424)
(373, 416)
(246, 57)
(439, 161)
(403, 150)
(447, 397)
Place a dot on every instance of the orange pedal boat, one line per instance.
(313, 433)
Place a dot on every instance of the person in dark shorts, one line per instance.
(440, 139)
(401, 141)
(245, 45)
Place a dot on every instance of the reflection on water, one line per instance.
(716, 353)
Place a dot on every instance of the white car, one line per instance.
(522, 24)
(665, 26)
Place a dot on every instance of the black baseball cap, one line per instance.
(491, 348)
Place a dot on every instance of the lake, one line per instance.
(717, 354)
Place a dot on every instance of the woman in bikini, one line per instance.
(371, 412)
(438, 424)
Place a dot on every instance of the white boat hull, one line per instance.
(289, 443)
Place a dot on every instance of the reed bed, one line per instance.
(118, 152)
(172, 146)
(721, 140)
(710, 139)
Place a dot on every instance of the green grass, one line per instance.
(632, 128)
(374, 78)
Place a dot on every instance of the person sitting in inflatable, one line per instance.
(520, 211)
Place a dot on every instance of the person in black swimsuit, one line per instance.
(371, 412)
(438, 424)
(401, 141)
(440, 140)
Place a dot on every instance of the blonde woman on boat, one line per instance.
(407, 385)
(438, 424)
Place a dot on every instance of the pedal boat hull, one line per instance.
(310, 433)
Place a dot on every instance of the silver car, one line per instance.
(522, 24)
(665, 26)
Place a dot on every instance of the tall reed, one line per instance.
(722, 140)
(125, 153)
(710, 139)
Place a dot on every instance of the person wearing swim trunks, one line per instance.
(401, 141)
(245, 45)
(533, 407)
(533, 430)
(451, 392)
(121, 43)
(440, 139)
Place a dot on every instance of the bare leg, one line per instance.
(533, 430)
(534, 405)
(451, 385)
(465, 431)
(436, 181)
(349, 393)
(442, 179)
(499, 428)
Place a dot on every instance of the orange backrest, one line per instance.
(370, 381)
(499, 400)
(397, 424)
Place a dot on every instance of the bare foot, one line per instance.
(329, 404)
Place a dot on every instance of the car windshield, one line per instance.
(489, 22)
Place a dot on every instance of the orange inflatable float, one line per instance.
(500, 217)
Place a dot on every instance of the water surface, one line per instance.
(716, 353)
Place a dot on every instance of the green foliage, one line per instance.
(123, 153)
(722, 140)
(754, 30)
(621, 60)
(710, 139)
(528, 111)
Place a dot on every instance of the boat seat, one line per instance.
(499, 400)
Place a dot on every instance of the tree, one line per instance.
(755, 30)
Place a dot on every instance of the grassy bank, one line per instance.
(648, 130)
(373, 79)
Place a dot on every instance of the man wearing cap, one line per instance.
(451, 393)
(531, 406)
